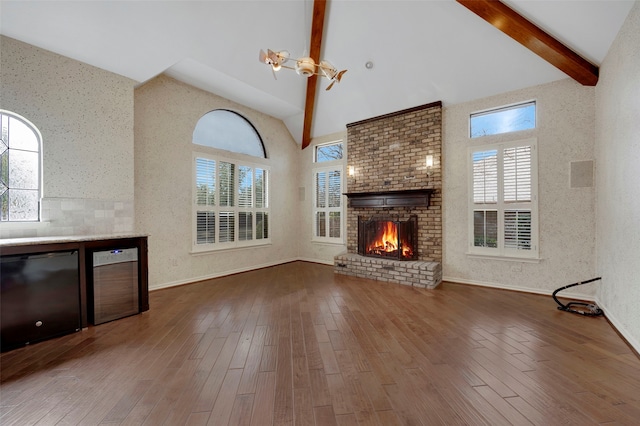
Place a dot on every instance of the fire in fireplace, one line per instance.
(388, 237)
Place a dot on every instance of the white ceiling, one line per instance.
(423, 50)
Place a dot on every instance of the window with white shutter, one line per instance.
(503, 203)
(231, 203)
(328, 216)
(231, 197)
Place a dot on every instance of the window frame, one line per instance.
(39, 179)
(502, 109)
(236, 209)
(337, 165)
(501, 206)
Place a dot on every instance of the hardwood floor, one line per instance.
(296, 344)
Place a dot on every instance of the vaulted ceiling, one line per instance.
(422, 50)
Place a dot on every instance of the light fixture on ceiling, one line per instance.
(305, 66)
(368, 65)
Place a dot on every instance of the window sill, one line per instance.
(227, 248)
(504, 258)
(328, 243)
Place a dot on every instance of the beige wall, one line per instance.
(565, 133)
(618, 180)
(166, 112)
(85, 116)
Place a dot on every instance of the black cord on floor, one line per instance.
(587, 309)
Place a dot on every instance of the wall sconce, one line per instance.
(351, 171)
(429, 164)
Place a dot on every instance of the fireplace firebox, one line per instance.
(388, 237)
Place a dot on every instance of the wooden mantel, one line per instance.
(403, 198)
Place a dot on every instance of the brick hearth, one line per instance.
(416, 273)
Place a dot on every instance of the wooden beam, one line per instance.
(535, 39)
(317, 28)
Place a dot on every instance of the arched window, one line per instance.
(230, 195)
(227, 130)
(20, 169)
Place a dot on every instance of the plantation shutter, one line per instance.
(502, 208)
(205, 182)
(517, 229)
(205, 200)
(334, 188)
(321, 193)
(262, 217)
(261, 188)
(245, 186)
(226, 176)
(321, 203)
(517, 174)
(335, 198)
(485, 177)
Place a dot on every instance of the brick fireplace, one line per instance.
(391, 179)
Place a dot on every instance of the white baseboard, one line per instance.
(323, 262)
(617, 324)
(565, 294)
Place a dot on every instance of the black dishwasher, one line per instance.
(39, 298)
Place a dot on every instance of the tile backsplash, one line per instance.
(73, 217)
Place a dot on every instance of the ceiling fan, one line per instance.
(305, 66)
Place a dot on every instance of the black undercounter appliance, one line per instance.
(40, 297)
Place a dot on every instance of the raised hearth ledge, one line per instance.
(416, 273)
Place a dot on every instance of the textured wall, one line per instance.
(389, 154)
(166, 112)
(565, 134)
(85, 116)
(618, 180)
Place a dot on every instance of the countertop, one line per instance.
(64, 239)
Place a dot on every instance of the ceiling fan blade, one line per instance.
(273, 56)
(263, 57)
(339, 76)
(331, 85)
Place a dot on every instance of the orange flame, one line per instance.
(386, 241)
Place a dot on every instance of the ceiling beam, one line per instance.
(535, 39)
(317, 28)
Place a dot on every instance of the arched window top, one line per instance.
(20, 169)
(227, 130)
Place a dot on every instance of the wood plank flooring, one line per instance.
(296, 344)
